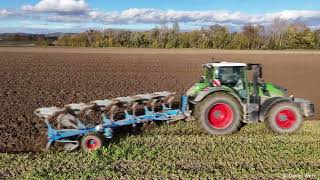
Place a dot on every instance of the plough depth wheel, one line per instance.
(92, 142)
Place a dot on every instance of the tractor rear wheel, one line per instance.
(92, 142)
(220, 114)
(284, 117)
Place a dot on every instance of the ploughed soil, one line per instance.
(34, 78)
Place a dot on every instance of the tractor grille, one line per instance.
(307, 107)
(312, 109)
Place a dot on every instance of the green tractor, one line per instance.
(230, 95)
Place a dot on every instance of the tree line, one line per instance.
(37, 39)
(279, 35)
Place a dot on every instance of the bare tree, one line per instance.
(278, 28)
(176, 27)
(317, 34)
(252, 34)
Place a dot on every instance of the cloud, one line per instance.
(157, 16)
(58, 6)
(5, 13)
(304, 16)
(79, 12)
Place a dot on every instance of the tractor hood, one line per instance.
(275, 90)
(269, 88)
(196, 88)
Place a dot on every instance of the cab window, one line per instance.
(233, 77)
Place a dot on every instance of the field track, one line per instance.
(37, 77)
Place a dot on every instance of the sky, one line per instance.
(47, 16)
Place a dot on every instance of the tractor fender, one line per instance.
(267, 104)
(204, 93)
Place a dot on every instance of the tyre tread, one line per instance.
(223, 95)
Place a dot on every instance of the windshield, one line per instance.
(229, 75)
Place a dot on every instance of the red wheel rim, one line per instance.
(286, 118)
(92, 143)
(220, 116)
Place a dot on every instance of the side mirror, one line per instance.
(260, 72)
(201, 79)
(262, 84)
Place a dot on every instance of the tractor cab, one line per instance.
(243, 79)
(232, 76)
(229, 75)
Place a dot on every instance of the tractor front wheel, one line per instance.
(284, 117)
(221, 114)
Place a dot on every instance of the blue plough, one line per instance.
(73, 133)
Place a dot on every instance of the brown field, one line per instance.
(37, 77)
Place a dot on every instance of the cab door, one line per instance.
(234, 78)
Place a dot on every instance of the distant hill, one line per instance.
(51, 35)
(58, 34)
(26, 39)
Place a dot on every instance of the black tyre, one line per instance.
(196, 110)
(220, 114)
(284, 117)
(92, 142)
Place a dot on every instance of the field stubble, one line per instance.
(52, 78)
(31, 80)
(181, 151)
